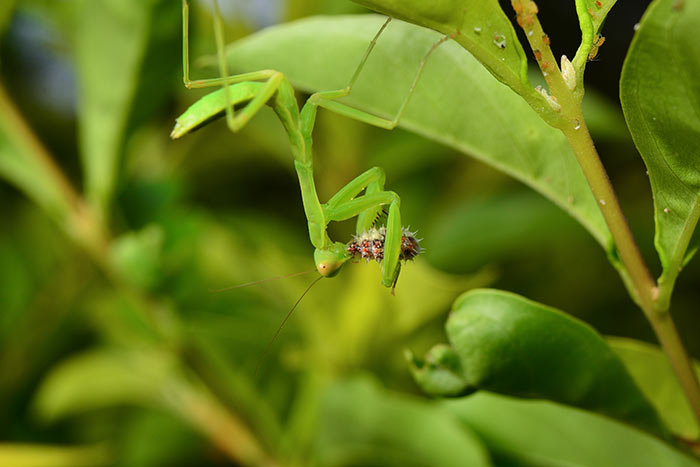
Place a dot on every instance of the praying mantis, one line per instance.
(250, 92)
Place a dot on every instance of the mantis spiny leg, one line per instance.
(328, 99)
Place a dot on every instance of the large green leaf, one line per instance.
(457, 102)
(482, 28)
(103, 378)
(660, 94)
(111, 44)
(361, 424)
(652, 372)
(540, 433)
(111, 376)
(505, 343)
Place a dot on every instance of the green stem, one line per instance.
(639, 281)
(643, 285)
(227, 431)
(678, 256)
(666, 331)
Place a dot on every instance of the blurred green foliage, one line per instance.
(113, 350)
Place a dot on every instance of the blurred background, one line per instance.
(111, 340)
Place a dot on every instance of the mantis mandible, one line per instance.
(256, 89)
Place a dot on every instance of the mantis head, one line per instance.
(330, 260)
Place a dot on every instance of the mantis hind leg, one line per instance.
(328, 99)
(272, 79)
(219, 35)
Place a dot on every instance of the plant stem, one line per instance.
(224, 429)
(642, 286)
(666, 331)
(676, 259)
(580, 141)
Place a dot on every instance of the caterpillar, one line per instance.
(370, 245)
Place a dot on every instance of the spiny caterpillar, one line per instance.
(370, 245)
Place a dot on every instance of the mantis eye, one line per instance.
(329, 261)
(328, 269)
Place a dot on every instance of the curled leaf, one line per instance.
(510, 345)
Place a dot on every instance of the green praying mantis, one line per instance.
(242, 96)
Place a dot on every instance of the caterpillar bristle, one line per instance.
(370, 245)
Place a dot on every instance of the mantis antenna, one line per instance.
(261, 281)
(284, 321)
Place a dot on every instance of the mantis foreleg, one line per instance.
(372, 181)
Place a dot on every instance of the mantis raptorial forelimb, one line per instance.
(249, 92)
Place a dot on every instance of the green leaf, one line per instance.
(361, 424)
(24, 163)
(597, 11)
(108, 377)
(510, 345)
(540, 433)
(652, 372)
(111, 43)
(660, 94)
(42, 455)
(441, 373)
(483, 29)
(591, 16)
(102, 378)
(456, 102)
